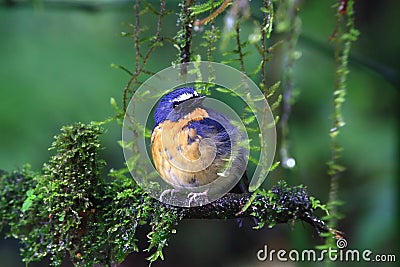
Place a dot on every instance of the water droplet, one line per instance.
(229, 22)
(289, 163)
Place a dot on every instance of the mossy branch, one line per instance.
(70, 209)
(345, 34)
(281, 204)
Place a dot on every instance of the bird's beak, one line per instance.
(195, 102)
(189, 105)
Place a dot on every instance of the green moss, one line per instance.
(344, 36)
(69, 209)
(280, 204)
(14, 188)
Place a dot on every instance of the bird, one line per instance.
(192, 145)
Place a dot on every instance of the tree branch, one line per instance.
(281, 204)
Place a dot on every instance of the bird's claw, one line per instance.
(197, 197)
(165, 192)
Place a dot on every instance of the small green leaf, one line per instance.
(264, 10)
(249, 119)
(26, 205)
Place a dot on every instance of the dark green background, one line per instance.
(55, 70)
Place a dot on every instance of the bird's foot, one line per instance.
(198, 198)
(170, 192)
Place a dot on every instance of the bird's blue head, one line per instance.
(176, 104)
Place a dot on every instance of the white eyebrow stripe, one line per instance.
(183, 97)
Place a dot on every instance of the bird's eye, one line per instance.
(182, 98)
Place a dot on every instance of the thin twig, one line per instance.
(157, 38)
(187, 39)
(239, 46)
(265, 26)
(215, 14)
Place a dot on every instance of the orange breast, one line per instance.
(178, 162)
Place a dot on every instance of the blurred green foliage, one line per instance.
(56, 71)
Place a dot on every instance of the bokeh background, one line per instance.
(55, 59)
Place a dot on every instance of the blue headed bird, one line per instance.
(192, 144)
